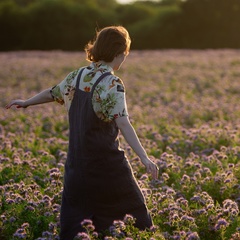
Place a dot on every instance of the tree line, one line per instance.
(70, 24)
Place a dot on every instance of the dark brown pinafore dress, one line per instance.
(98, 181)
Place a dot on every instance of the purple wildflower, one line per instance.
(221, 223)
(86, 222)
(192, 236)
(129, 219)
(82, 236)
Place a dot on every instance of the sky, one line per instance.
(125, 1)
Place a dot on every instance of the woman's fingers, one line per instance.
(8, 105)
(153, 170)
(18, 103)
(151, 167)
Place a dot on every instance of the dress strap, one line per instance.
(79, 77)
(99, 79)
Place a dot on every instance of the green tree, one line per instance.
(158, 31)
(210, 23)
(11, 22)
(133, 13)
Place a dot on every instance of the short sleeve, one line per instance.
(120, 107)
(57, 94)
(110, 100)
(63, 92)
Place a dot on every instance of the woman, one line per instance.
(98, 180)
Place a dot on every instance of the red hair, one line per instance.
(110, 42)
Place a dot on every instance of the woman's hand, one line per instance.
(18, 103)
(151, 167)
(131, 137)
(40, 98)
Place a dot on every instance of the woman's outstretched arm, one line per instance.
(42, 97)
(131, 137)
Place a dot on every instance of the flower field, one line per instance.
(184, 105)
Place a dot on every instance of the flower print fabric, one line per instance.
(108, 97)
